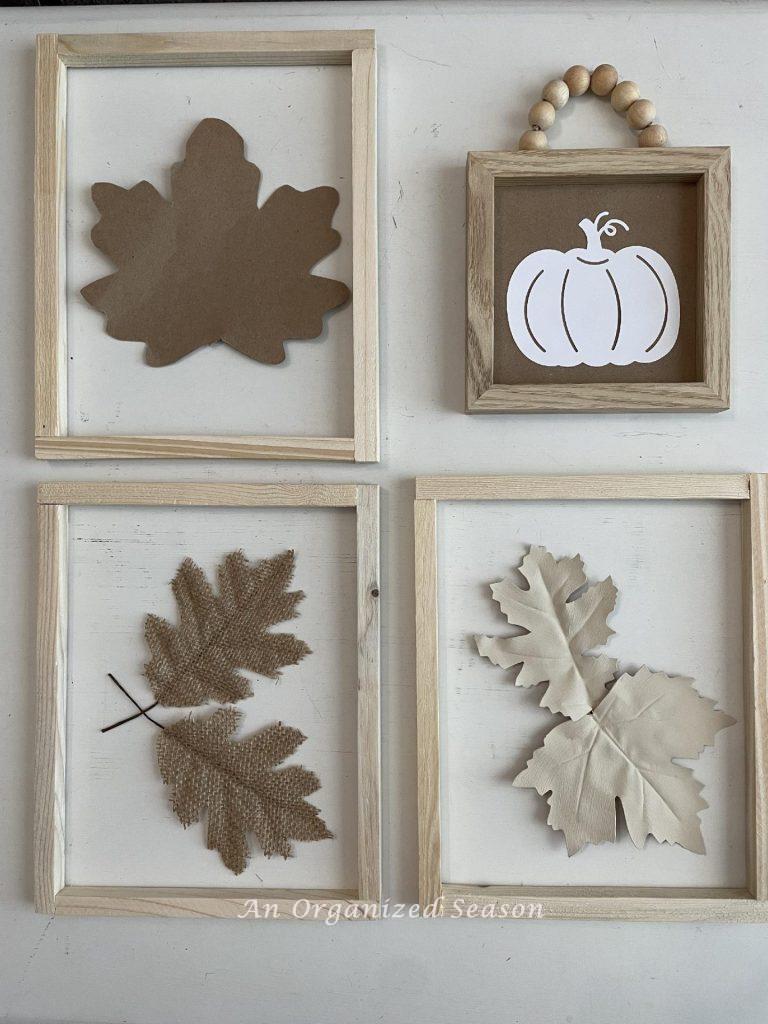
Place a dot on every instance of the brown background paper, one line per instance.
(660, 215)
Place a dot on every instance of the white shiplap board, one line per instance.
(120, 828)
(677, 568)
(126, 125)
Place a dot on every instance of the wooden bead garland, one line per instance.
(603, 81)
(640, 114)
(623, 96)
(556, 93)
(653, 135)
(533, 139)
(577, 78)
(541, 115)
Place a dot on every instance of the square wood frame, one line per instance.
(641, 903)
(56, 53)
(52, 894)
(710, 168)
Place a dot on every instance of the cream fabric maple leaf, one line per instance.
(561, 628)
(624, 751)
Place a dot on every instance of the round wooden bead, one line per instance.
(640, 114)
(623, 96)
(604, 79)
(653, 135)
(532, 140)
(556, 93)
(541, 115)
(577, 79)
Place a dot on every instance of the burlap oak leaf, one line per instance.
(238, 783)
(217, 634)
(624, 751)
(208, 264)
(561, 628)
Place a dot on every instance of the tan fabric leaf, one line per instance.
(209, 264)
(560, 631)
(238, 784)
(624, 751)
(197, 660)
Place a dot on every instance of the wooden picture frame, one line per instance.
(603, 902)
(56, 53)
(52, 894)
(487, 172)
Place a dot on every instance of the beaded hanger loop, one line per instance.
(603, 81)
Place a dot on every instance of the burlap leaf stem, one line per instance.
(197, 661)
(240, 786)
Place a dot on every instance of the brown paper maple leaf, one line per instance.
(197, 660)
(238, 783)
(209, 264)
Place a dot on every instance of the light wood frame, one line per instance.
(710, 168)
(52, 894)
(599, 902)
(56, 53)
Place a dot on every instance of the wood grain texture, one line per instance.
(139, 901)
(365, 279)
(368, 695)
(487, 171)
(63, 492)
(50, 175)
(697, 396)
(577, 163)
(180, 49)
(755, 603)
(480, 334)
(608, 903)
(427, 702)
(179, 446)
(49, 833)
(649, 486)
(54, 55)
(715, 282)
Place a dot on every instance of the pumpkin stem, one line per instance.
(610, 226)
(593, 231)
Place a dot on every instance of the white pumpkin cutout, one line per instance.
(594, 306)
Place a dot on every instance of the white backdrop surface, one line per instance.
(120, 827)
(126, 125)
(453, 77)
(661, 556)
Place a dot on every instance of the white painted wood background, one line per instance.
(453, 76)
(663, 557)
(130, 125)
(120, 827)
